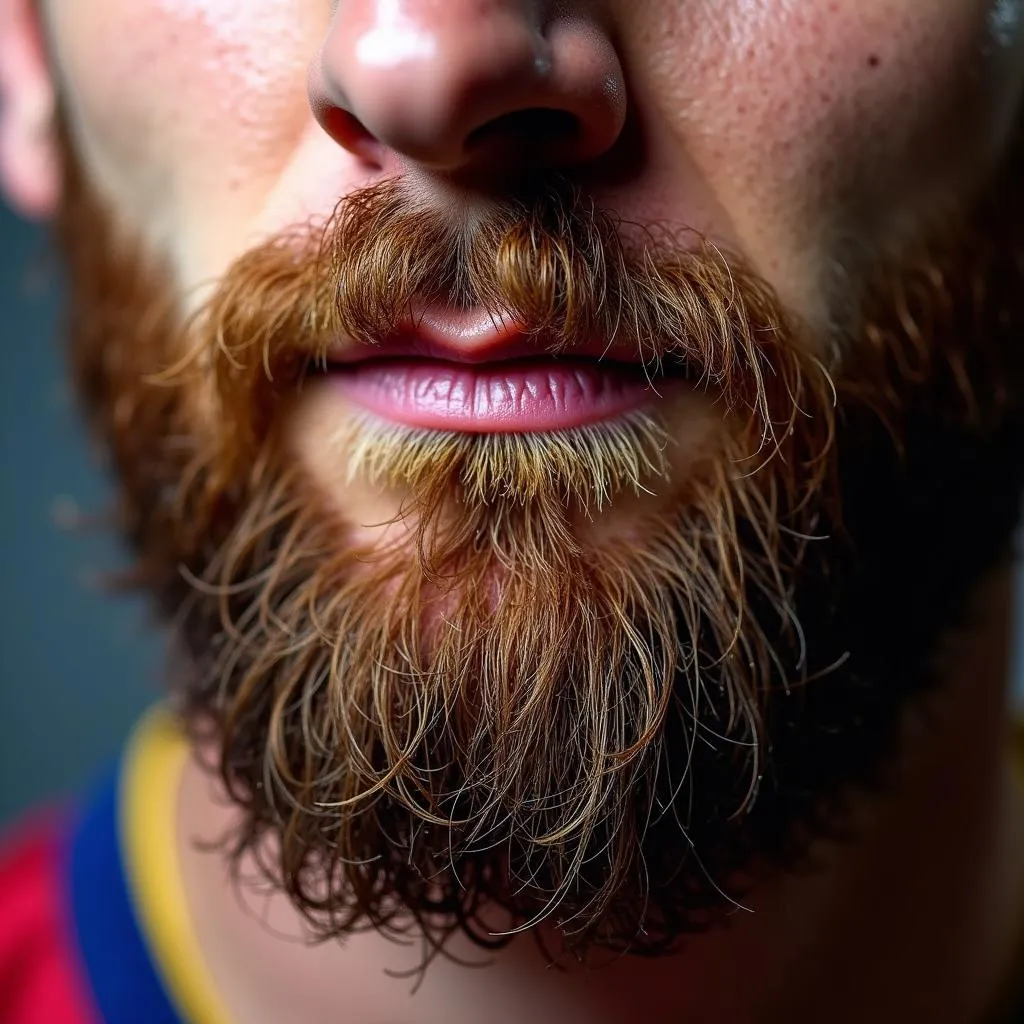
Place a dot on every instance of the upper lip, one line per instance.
(473, 336)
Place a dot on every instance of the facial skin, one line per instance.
(784, 131)
(809, 146)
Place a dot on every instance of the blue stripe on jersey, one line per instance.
(125, 984)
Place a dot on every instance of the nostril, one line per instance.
(347, 130)
(538, 130)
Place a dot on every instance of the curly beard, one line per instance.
(500, 709)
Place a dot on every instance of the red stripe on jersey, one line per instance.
(40, 978)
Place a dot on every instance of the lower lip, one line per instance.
(495, 399)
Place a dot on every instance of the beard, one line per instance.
(617, 734)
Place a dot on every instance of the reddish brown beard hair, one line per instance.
(589, 736)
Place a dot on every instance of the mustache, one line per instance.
(567, 272)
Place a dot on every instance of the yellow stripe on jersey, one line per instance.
(150, 776)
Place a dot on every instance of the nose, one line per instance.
(459, 85)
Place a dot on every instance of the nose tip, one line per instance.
(457, 84)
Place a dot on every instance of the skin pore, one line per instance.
(813, 141)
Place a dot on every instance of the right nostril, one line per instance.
(534, 130)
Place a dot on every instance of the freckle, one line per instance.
(874, 60)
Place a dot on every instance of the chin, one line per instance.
(367, 468)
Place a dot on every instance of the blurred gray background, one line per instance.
(77, 665)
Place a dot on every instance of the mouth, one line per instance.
(479, 376)
(520, 396)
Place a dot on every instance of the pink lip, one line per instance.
(491, 398)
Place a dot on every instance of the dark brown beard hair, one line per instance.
(618, 736)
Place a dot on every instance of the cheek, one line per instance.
(818, 117)
(177, 102)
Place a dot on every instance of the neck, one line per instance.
(914, 917)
